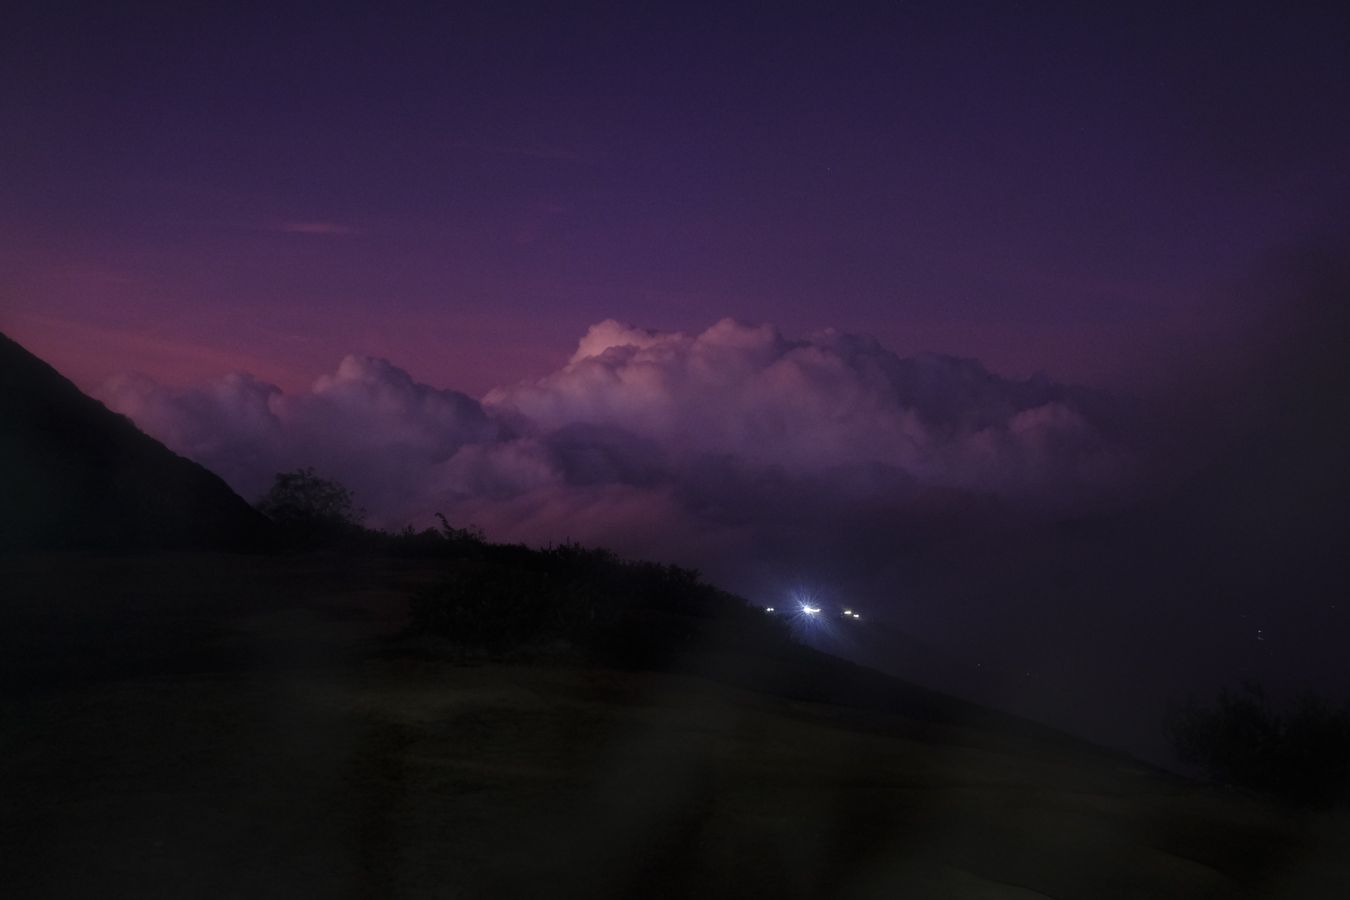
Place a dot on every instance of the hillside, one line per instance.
(75, 475)
(214, 726)
(430, 714)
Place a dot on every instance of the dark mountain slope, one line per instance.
(75, 475)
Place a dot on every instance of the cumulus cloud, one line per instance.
(770, 463)
(368, 424)
(826, 401)
(928, 488)
(230, 424)
(693, 447)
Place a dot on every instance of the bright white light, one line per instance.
(848, 612)
(768, 609)
(810, 610)
(856, 616)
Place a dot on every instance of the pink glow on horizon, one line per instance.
(88, 353)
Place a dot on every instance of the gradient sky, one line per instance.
(1110, 198)
(185, 192)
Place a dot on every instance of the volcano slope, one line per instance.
(75, 475)
(214, 725)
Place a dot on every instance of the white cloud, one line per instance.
(368, 424)
(822, 402)
(736, 430)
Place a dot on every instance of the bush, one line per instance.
(633, 614)
(446, 542)
(1301, 755)
(309, 509)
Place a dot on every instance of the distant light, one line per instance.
(848, 612)
(768, 609)
(810, 610)
(856, 616)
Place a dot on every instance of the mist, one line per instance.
(1045, 542)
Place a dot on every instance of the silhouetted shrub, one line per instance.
(634, 614)
(466, 536)
(445, 542)
(411, 543)
(1301, 754)
(311, 510)
(303, 496)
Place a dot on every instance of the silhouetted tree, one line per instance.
(1302, 754)
(308, 507)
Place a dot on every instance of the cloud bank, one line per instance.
(368, 424)
(1050, 533)
(829, 401)
(734, 443)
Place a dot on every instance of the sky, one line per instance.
(187, 191)
(875, 302)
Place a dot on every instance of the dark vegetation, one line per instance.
(310, 511)
(501, 597)
(220, 725)
(74, 475)
(1300, 754)
(488, 601)
(432, 768)
(511, 599)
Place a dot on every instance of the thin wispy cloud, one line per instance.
(522, 151)
(321, 229)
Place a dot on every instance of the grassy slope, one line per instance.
(231, 726)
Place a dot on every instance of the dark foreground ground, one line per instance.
(215, 726)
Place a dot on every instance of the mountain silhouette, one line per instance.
(75, 475)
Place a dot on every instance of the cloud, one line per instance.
(826, 401)
(763, 460)
(963, 506)
(228, 424)
(766, 461)
(368, 424)
(324, 229)
(684, 446)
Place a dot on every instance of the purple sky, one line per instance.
(400, 226)
(465, 192)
